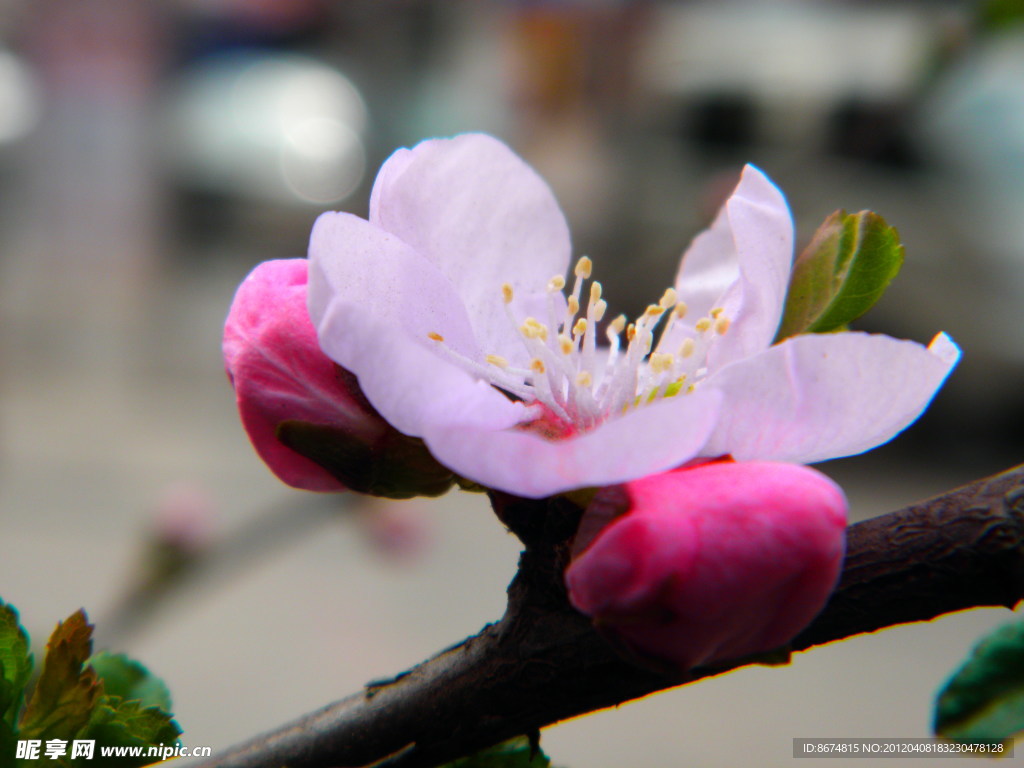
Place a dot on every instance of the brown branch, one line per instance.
(543, 662)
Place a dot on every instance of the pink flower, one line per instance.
(306, 416)
(449, 306)
(714, 562)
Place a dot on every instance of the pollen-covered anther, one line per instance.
(716, 312)
(630, 331)
(703, 325)
(595, 292)
(654, 310)
(583, 267)
(661, 362)
(669, 299)
(497, 360)
(618, 325)
(574, 306)
(681, 309)
(599, 309)
(584, 379)
(722, 325)
(506, 293)
(537, 366)
(687, 347)
(556, 284)
(580, 328)
(565, 344)
(435, 336)
(534, 329)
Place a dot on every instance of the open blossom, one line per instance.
(713, 562)
(453, 307)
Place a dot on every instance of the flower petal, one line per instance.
(649, 439)
(742, 265)
(474, 209)
(822, 396)
(374, 301)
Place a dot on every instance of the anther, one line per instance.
(584, 379)
(574, 305)
(661, 362)
(716, 312)
(653, 310)
(686, 350)
(668, 299)
(537, 365)
(556, 284)
(722, 325)
(565, 344)
(617, 325)
(630, 331)
(435, 336)
(506, 293)
(534, 329)
(595, 292)
(599, 309)
(580, 328)
(703, 324)
(681, 309)
(583, 267)
(497, 360)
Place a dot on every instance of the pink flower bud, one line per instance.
(713, 562)
(306, 416)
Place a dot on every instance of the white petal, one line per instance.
(374, 302)
(649, 439)
(473, 208)
(742, 265)
(822, 396)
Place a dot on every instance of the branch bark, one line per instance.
(543, 662)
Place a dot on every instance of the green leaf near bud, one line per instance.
(983, 703)
(391, 464)
(514, 753)
(841, 273)
(128, 679)
(66, 692)
(15, 664)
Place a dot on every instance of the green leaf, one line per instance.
(984, 700)
(994, 15)
(66, 692)
(841, 274)
(130, 680)
(119, 723)
(15, 664)
(514, 753)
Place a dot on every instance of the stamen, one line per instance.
(583, 267)
(599, 309)
(668, 299)
(534, 329)
(617, 325)
(630, 331)
(703, 324)
(661, 362)
(686, 350)
(497, 360)
(537, 365)
(565, 344)
(595, 292)
(716, 312)
(584, 379)
(654, 310)
(574, 306)
(681, 309)
(580, 328)
(435, 336)
(556, 284)
(722, 325)
(506, 293)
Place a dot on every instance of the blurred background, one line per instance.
(152, 152)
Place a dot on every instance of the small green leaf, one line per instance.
(841, 274)
(66, 692)
(984, 700)
(15, 663)
(130, 680)
(994, 15)
(514, 753)
(119, 723)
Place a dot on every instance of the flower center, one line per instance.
(580, 384)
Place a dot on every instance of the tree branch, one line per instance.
(543, 662)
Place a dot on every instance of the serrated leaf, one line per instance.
(130, 680)
(841, 273)
(66, 692)
(984, 700)
(15, 663)
(119, 723)
(514, 753)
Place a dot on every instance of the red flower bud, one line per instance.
(713, 562)
(307, 417)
